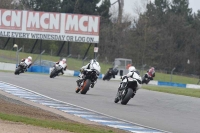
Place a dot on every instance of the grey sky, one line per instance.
(129, 5)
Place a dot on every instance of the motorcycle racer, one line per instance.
(28, 62)
(93, 64)
(149, 75)
(63, 64)
(132, 71)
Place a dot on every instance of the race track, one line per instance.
(172, 113)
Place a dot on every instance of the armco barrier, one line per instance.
(7, 66)
(161, 83)
(45, 69)
(39, 69)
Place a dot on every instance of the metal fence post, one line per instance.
(172, 73)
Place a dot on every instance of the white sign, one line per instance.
(96, 49)
(49, 26)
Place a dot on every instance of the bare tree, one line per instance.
(76, 6)
(6, 4)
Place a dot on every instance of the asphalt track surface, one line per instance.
(169, 112)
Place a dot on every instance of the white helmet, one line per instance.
(30, 58)
(92, 61)
(131, 69)
(115, 67)
(64, 60)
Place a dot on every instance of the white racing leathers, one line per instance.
(131, 76)
(28, 62)
(94, 66)
(62, 64)
(128, 87)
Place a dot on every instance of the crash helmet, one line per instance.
(92, 61)
(131, 69)
(152, 68)
(115, 67)
(30, 58)
(64, 60)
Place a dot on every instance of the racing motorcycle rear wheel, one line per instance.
(85, 86)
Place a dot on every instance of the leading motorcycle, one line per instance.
(90, 76)
(21, 68)
(128, 88)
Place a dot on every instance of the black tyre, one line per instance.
(105, 76)
(116, 98)
(143, 80)
(85, 86)
(17, 71)
(53, 74)
(77, 89)
(127, 97)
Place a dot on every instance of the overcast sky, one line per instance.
(129, 5)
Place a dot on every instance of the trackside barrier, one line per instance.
(73, 73)
(161, 83)
(7, 66)
(39, 69)
(47, 70)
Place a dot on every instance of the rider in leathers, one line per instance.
(63, 64)
(150, 73)
(28, 62)
(89, 66)
(131, 72)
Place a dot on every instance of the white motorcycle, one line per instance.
(128, 88)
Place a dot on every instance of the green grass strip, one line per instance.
(174, 90)
(72, 127)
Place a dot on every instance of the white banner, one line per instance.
(49, 26)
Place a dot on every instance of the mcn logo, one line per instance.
(10, 19)
(82, 24)
(42, 21)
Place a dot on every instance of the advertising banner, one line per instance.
(49, 26)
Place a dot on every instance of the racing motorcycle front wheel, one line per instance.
(127, 96)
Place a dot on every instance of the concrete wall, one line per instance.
(7, 66)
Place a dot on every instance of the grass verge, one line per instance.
(174, 90)
(72, 127)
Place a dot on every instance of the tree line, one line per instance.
(166, 35)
